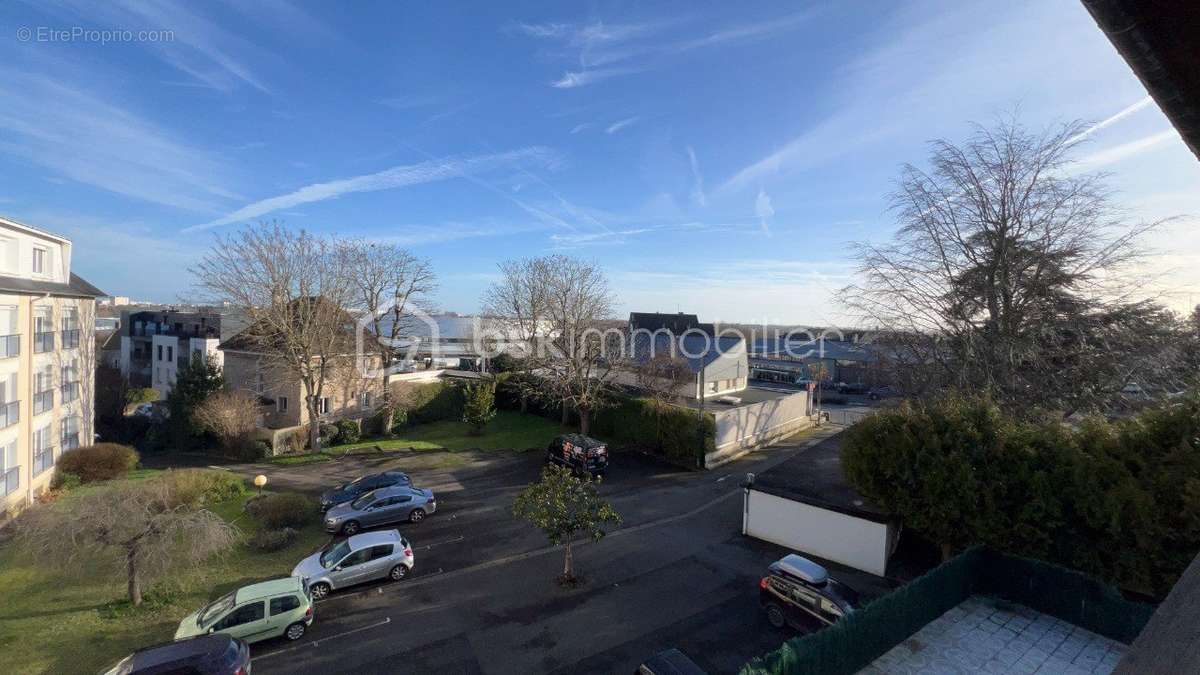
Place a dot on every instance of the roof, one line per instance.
(766, 348)
(371, 538)
(678, 323)
(1161, 43)
(33, 230)
(585, 442)
(254, 337)
(77, 287)
(694, 348)
(1170, 641)
(268, 588)
(801, 568)
(195, 651)
(814, 477)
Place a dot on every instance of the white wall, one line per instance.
(745, 427)
(856, 542)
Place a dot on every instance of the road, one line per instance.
(482, 599)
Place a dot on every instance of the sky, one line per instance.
(715, 158)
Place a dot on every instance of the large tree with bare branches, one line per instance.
(387, 284)
(516, 307)
(292, 287)
(1011, 273)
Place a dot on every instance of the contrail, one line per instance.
(1111, 120)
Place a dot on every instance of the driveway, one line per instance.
(678, 573)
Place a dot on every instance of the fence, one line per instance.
(854, 642)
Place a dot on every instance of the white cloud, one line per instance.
(763, 210)
(1126, 150)
(698, 194)
(395, 177)
(621, 124)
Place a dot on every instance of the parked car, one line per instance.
(348, 492)
(1132, 388)
(669, 662)
(580, 453)
(354, 560)
(797, 590)
(381, 507)
(217, 654)
(878, 393)
(855, 388)
(280, 607)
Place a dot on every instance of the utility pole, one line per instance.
(700, 417)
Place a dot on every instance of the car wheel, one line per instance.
(319, 591)
(398, 573)
(351, 528)
(416, 516)
(775, 616)
(295, 631)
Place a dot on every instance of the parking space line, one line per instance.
(426, 547)
(314, 643)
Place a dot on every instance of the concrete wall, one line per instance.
(856, 542)
(745, 427)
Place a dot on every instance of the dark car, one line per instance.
(855, 388)
(348, 492)
(215, 654)
(669, 662)
(579, 452)
(880, 393)
(800, 593)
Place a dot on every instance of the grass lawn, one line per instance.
(69, 623)
(508, 431)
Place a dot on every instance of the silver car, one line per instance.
(355, 560)
(381, 507)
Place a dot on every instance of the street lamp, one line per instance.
(259, 481)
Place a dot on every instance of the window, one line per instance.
(39, 260)
(10, 472)
(281, 404)
(250, 613)
(43, 329)
(43, 389)
(260, 382)
(9, 408)
(323, 405)
(364, 400)
(10, 342)
(159, 357)
(43, 451)
(170, 353)
(357, 558)
(381, 551)
(70, 432)
(70, 381)
(285, 604)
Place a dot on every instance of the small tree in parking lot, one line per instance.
(565, 507)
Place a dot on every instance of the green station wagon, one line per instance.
(256, 612)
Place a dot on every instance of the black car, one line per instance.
(215, 654)
(800, 593)
(669, 662)
(579, 452)
(856, 389)
(348, 492)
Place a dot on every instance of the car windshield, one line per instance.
(363, 501)
(848, 596)
(215, 610)
(335, 554)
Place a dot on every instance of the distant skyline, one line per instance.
(714, 158)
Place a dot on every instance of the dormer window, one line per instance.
(39, 260)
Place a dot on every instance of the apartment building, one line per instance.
(156, 344)
(47, 359)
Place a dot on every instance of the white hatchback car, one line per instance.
(358, 559)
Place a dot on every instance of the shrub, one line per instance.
(103, 461)
(296, 441)
(348, 431)
(328, 433)
(284, 509)
(204, 486)
(399, 420)
(480, 405)
(138, 395)
(65, 481)
(431, 402)
(269, 541)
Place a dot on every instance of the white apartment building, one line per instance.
(47, 359)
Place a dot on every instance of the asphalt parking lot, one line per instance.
(482, 599)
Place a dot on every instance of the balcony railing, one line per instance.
(70, 441)
(10, 481)
(70, 338)
(10, 414)
(10, 346)
(70, 391)
(43, 401)
(43, 342)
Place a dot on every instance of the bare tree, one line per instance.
(1010, 273)
(517, 309)
(230, 415)
(294, 291)
(135, 531)
(387, 283)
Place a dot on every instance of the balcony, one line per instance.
(43, 342)
(43, 401)
(10, 346)
(70, 339)
(70, 441)
(10, 414)
(69, 391)
(10, 481)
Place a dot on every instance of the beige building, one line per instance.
(47, 359)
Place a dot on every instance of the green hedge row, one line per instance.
(434, 402)
(854, 642)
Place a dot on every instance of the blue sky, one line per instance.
(713, 157)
